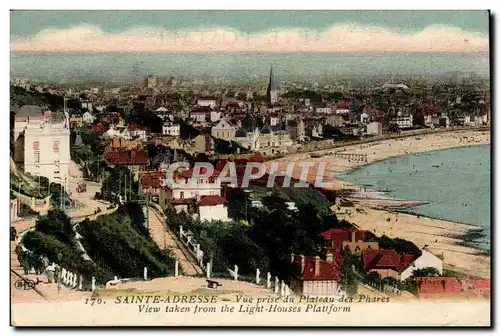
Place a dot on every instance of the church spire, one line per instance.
(271, 89)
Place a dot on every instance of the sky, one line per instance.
(250, 31)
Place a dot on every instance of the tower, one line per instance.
(272, 93)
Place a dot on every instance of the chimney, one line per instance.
(302, 263)
(316, 266)
(353, 236)
(329, 257)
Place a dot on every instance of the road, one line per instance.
(165, 238)
(86, 211)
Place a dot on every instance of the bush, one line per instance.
(65, 255)
(56, 223)
(400, 245)
(113, 240)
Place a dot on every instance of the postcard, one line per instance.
(250, 168)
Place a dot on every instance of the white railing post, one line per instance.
(268, 285)
(257, 276)
(93, 284)
(236, 272)
(208, 270)
(276, 285)
(116, 278)
(80, 284)
(282, 288)
(145, 273)
(180, 231)
(176, 268)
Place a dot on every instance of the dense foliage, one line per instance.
(263, 238)
(114, 243)
(398, 244)
(54, 237)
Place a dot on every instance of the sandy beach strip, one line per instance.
(439, 235)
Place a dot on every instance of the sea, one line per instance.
(455, 183)
(114, 68)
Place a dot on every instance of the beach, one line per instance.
(369, 212)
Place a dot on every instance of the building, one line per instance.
(224, 130)
(88, 118)
(151, 82)
(151, 182)
(479, 288)
(42, 143)
(200, 115)
(364, 118)
(207, 102)
(438, 287)
(171, 129)
(387, 263)
(316, 277)
(357, 247)
(164, 114)
(135, 131)
(343, 235)
(323, 109)
(404, 121)
(427, 259)
(351, 239)
(444, 121)
(374, 128)
(130, 157)
(200, 197)
(297, 130)
(342, 108)
(266, 140)
(272, 91)
(204, 143)
(215, 116)
(314, 129)
(212, 207)
(14, 209)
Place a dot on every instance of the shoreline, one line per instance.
(441, 236)
(407, 154)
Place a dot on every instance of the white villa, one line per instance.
(201, 198)
(42, 143)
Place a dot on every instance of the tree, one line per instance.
(425, 272)
(56, 223)
(349, 282)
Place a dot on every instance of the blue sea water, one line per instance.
(124, 68)
(455, 183)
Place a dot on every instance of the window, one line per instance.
(36, 145)
(37, 157)
(56, 146)
(182, 194)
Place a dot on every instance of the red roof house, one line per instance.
(433, 287)
(211, 200)
(315, 276)
(134, 157)
(386, 262)
(151, 182)
(442, 287)
(343, 235)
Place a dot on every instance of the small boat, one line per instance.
(436, 166)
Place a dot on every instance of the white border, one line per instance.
(190, 4)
